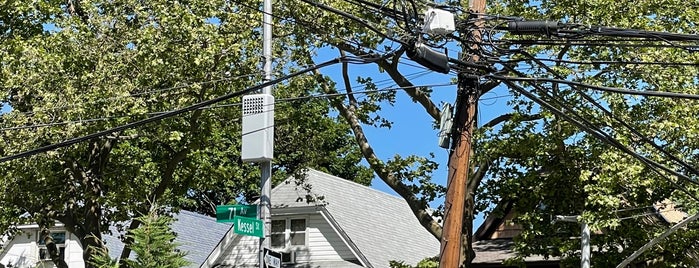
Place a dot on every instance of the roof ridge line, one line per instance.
(357, 184)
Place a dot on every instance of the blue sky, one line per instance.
(412, 131)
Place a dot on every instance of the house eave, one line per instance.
(345, 238)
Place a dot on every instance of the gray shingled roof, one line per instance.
(197, 235)
(382, 226)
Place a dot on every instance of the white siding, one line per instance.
(23, 251)
(242, 254)
(324, 245)
(74, 252)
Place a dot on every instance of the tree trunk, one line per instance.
(168, 177)
(417, 206)
(91, 243)
(52, 249)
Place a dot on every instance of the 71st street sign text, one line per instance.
(228, 212)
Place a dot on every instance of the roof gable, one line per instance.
(382, 226)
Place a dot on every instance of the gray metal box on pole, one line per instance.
(258, 128)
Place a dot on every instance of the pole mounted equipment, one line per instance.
(258, 128)
(425, 56)
(533, 27)
(438, 22)
(445, 125)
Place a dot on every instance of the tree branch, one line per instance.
(415, 93)
(506, 117)
(488, 86)
(477, 177)
(168, 177)
(416, 205)
(75, 8)
(346, 80)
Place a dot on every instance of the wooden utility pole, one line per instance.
(450, 249)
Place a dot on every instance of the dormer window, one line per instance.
(288, 233)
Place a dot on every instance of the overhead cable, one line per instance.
(354, 18)
(140, 93)
(167, 114)
(600, 88)
(587, 126)
(601, 43)
(609, 113)
(604, 137)
(280, 100)
(610, 62)
(649, 163)
(555, 28)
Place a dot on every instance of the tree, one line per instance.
(77, 67)
(154, 243)
(540, 160)
(566, 171)
(536, 158)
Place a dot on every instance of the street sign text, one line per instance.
(247, 226)
(228, 212)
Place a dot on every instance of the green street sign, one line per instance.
(227, 212)
(247, 226)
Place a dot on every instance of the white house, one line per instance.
(27, 250)
(332, 222)
(196, 234)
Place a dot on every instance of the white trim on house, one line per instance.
(350, 225)
(338, 230)
(231, 250)
(24, 249)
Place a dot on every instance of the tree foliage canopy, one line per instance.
(73, 68)
(76, 67)
(551, 167)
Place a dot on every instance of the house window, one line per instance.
(287, 233)
(59, 238)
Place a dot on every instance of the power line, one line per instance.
(587, 126)
(290, 99)
(165, 115)
(622, 122)
(604, 138)
(90, 120)
(656, 212)
(601, 62)
(311, 26)
(557, 42)
(147, 92)
(601, 88)
(354, 18)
